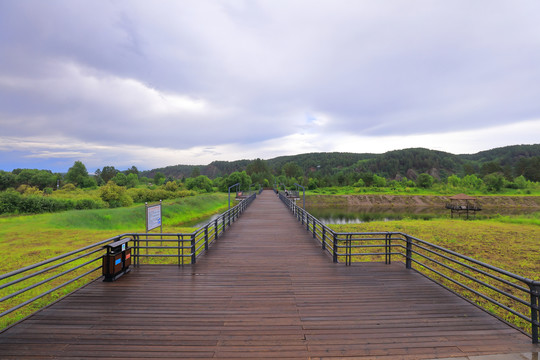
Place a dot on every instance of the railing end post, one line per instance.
(408, 254)
(535, 309)
(193, 250)
(334, 250)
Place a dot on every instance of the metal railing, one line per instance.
(510, 297)
(65, 273)
(185, 247)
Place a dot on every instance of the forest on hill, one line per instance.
(512, 161)
(514, 169)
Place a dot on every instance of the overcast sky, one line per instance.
(157, 83)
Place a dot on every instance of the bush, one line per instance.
(28, 190)
(424, 181)
(171, 186)
(201, 183)
(69, 187)
(85, 204)
(9, 201)
(114, 195)
(139, 195)
(12, 202)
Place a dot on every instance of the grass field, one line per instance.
(29, 239)
(511, 245)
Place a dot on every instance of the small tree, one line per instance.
(78, 175)
(120, 179)
(236, 177)
(472, 182)
(132, 170)
(132, 180)
(7, 180)
(494, 182)
(379, 181)
(424, 181)
(201, 182)
(108, 173)
(454, 180)
(159, 178)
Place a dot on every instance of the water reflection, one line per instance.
(356, 215)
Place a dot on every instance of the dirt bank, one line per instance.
(418, 200)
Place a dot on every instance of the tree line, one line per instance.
(26, 190)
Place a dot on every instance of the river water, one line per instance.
(355, 215)
(361, 214)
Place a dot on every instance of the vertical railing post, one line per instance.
(334, 252)
(323, 237)
(206, 237)
(408, 254)
(387, 249)
(314, 228)
(348, 250)
(535, 310)
(216, 231)
(136, 238)
(180, 244)
(193, 255)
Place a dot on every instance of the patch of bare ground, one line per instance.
(369, 200)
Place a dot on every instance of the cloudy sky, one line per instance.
(156, 83)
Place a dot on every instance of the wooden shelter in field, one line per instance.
(462, 203)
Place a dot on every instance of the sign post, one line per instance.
(153, 219)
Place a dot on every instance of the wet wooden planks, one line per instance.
(264, 290)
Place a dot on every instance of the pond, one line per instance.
(356, 215)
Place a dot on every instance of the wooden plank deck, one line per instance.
(264, 290)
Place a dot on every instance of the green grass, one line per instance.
(29, 239)
(509, 243)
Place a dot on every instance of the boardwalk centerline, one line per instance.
(263, 290)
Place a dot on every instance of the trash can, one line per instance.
(117, 260)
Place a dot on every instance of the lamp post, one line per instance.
(237, 184)
(304, 194)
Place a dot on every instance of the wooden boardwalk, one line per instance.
(264, 290)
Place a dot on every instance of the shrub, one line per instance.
(69, 187)
(114, 195)
(84, 204)
(201, 182)
(28, 190)
(424, 181)
(9, 201)
(171, 186)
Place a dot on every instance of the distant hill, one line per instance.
(512, 160)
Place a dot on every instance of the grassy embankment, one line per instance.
(28, 239)
(438, 189)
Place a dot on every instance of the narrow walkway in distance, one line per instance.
(264, 290)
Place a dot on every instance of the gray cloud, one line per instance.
(197, 74)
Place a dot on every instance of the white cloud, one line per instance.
(198, 81)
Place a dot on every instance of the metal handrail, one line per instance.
(78, 263)
(436, 263)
